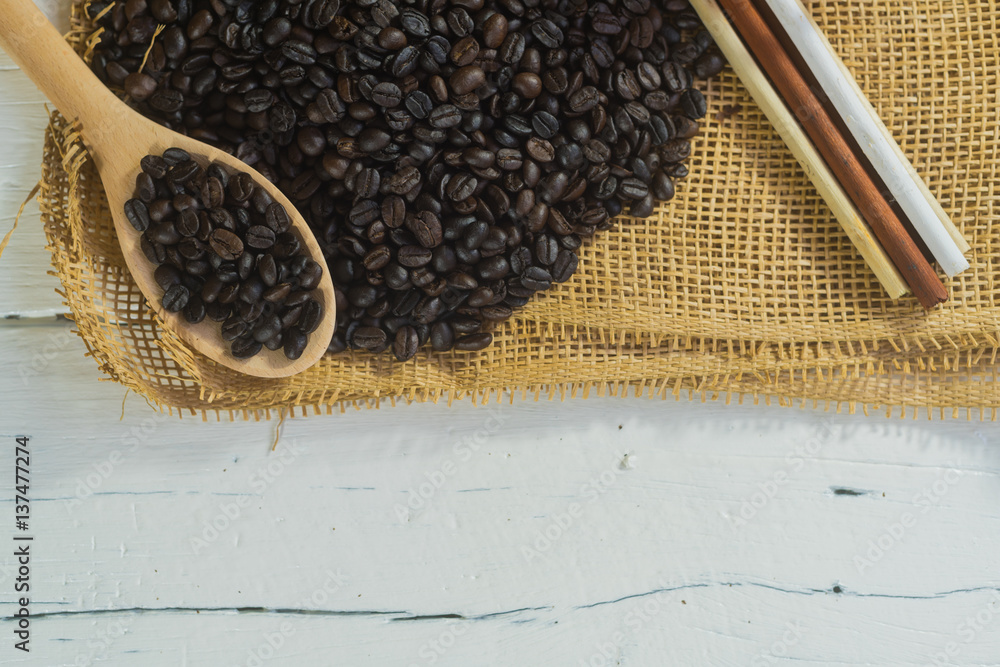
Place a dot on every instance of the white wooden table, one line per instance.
(591, 532)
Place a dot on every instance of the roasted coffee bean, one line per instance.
(203, 256)
(693, 104)
(708, 65)
(387, 94)
(406, 343)
(145, 189)
(166, 276)
(441, 336)
(164, 233)
(662, 187)
(276, 218)
(456, 151)
(194, 310)
(413, 256)
(474, 342)
(244, 348)
(536, 278)
(311, 274)
(175, 298)
(137, 214)
(245, 264)
(268, 328)
(155, 166)
(426, 227)
(226, 244)
(633, 188)
(675, 151)
(565, 266)
(368, 338)
(249, 312)
(294, 342)
(467, 79)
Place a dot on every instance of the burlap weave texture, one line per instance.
(743, 283)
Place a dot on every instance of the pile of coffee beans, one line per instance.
(450, 155)
(224, 249)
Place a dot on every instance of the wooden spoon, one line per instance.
(118, 138)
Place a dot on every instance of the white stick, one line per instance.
(798, 143)
(953, 230)
(873, 142)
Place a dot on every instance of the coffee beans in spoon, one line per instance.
(224, 250)
(451, 156)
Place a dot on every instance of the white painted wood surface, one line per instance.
(598, 532)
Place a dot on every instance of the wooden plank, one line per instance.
(549, 524)
(25, 289)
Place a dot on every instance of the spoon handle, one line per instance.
(40, 51)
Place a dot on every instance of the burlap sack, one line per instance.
(742, 285)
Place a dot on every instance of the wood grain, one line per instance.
(702, 532)
(915, 269)
(118, 138)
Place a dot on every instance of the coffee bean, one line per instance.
(474, 342)
(708, 65)
(426, 227)
(194, 310)
(564, 266)
(244, 348)
(633, 188)
(675, 151)
(461, 186)
(311, 275)
(468, 139)
(368, 338)
(467, 79)
(249, 312)
(137, 214)
(155, 166)
(139, 86)
(584, 99)
(175, 298)
(387, 94)
(164, 233)
(412, 256)
(166, 276)
(662, 187)
(445, 116)
(405, 344)
(294, 342)
(693, 104)
(268, 328)
(226, 244)
(536, 278)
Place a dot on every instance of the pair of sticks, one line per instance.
(818, 144)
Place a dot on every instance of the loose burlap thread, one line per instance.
(742, 286)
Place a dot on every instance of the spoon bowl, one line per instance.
(117, 138)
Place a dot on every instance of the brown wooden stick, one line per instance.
(912, 265)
